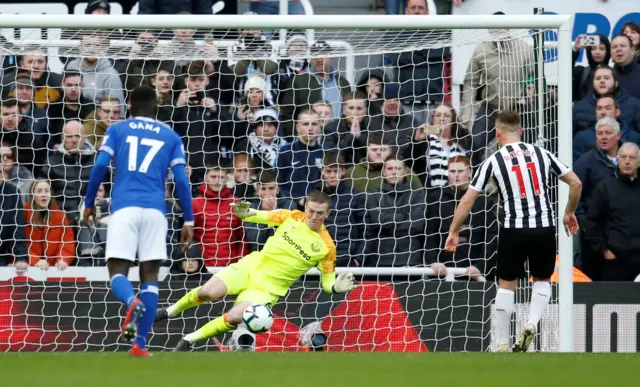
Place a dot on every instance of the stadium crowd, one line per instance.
(390, 150)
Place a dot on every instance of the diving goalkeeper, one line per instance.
(300, 242)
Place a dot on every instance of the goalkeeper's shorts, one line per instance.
(238, 280)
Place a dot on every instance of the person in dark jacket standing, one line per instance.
(585, 140)
(13, 247)
(612, 219)
(479, 234)
(345, 221)
(268, 200)
(395, 219)
(627, 69)
(605, 82)
(298, 163)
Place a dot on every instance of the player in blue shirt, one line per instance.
(142, 150)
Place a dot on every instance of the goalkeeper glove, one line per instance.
(344, 283)
(243, 210)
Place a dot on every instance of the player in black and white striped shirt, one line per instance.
(521, 172)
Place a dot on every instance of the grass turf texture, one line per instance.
(316, 369)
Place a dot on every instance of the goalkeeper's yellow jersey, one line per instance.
(291, 252)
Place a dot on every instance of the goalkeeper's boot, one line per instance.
(136, 351)
(161, 314)
(183, 346)
(130, 325)
(525, 339)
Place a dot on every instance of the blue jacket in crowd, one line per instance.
(592, 168)
(585, 140)
(629, 78)
(298, 167)
(346, 223)
(584, 111)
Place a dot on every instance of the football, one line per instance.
(257, 318)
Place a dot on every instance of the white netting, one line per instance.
(371, 94)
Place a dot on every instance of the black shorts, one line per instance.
(516, 245)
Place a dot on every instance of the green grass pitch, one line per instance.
(317, 369)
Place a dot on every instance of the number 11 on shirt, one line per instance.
(533, 175)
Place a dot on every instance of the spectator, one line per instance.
(345, 221)
(367, 175)
(68, 168)
(268, 199)
(49, 235)
(163, 81)
(13, 248)
(252, 44)
(217, 229)
(99, 78)
(13, 173)
(175, 219)
(627, 69)
(583, 75)
(324, 111)
(585, 140)
(396, 125)
(496, 86)
(612, 227)
(254, 100)
(243, 177)
(190, 266)
(320, 82)
(206, 129)
(271, 8)
(92, 245)
(434, 144)
(170, 7)
(33, 61)
(98, 7)
(605, 82)
(372, 84)
(478, 235)
(632, 30)
(395, 219)
(420, 73)
(24, 93)
(348, 134)
(15, 132)
(71, 106)
(593, 168)
(263, 142)
(297, 52)
(298, 163)
(107, 113)
(138, 70)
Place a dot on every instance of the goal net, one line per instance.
(389, 122)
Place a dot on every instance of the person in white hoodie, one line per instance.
(99, 77)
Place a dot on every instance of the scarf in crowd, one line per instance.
(266, 152)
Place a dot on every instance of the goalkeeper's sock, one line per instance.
(188, 301)
(149, 297)
(212, 328)
(540, 295)
(504, 309)
(122, 289)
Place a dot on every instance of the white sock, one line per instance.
(504, 309)
(171, 311)
(540, 294)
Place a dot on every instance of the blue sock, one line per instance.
(149, 297)
(122, 289)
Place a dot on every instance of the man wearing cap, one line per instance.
(98, 7)
(172, 7)
(24, 92)
(397, 126)
(320, 82)
(263, 142)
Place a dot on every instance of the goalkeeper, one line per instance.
(262, 277)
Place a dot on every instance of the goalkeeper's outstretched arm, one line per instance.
(244, 211)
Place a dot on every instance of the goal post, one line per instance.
(366, 31)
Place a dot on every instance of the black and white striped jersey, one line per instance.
(438, 157)
(521, 172)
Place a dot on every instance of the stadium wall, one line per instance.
(414, 316)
